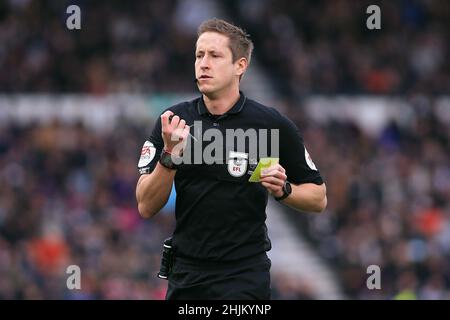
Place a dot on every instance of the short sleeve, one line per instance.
(151, 150)
(294, 156)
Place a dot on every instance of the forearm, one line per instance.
(307, 197)
(153, 190)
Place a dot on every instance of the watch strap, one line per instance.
(285, 192)
(166, 160)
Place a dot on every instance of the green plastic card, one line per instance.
(263, 163)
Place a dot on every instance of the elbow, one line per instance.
(145, 212)
(319, 206)
(322, 205)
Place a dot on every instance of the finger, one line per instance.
(268, 172)
(165, 118)
(279, 175)
(181, 124)
(273, 181)
(186, 131)
(266, 185)
(182, 131)
(174, 122)
(278, 167)
(177, 134)
(276, 174)
(275, 167)
(268, 169)
(269, 187)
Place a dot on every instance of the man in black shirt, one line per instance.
(209, 147)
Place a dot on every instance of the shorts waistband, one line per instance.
(202, 263)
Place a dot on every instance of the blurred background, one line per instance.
(373, 106)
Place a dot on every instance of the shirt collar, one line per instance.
(238, 106)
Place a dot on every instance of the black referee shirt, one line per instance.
(220, 216)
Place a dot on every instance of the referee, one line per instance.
(220, 238)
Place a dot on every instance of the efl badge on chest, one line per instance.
(237, 163)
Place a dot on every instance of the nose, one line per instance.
(204, 63)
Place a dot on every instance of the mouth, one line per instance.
(204, 77)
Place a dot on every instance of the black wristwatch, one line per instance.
(166, 160)
(287, 190)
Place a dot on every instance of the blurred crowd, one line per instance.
(141, 46)
(67, 198)
(388, 203)
(325, 46)
(133, 46)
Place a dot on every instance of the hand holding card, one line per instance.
(263, 163)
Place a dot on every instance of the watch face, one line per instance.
(166, 160)
(288, 187)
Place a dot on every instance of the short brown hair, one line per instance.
(239, 41)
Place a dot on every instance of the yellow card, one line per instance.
(262, 164)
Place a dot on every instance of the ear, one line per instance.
(241, 66)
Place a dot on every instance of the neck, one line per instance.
(220, 104)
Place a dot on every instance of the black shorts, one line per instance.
(246, 279)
